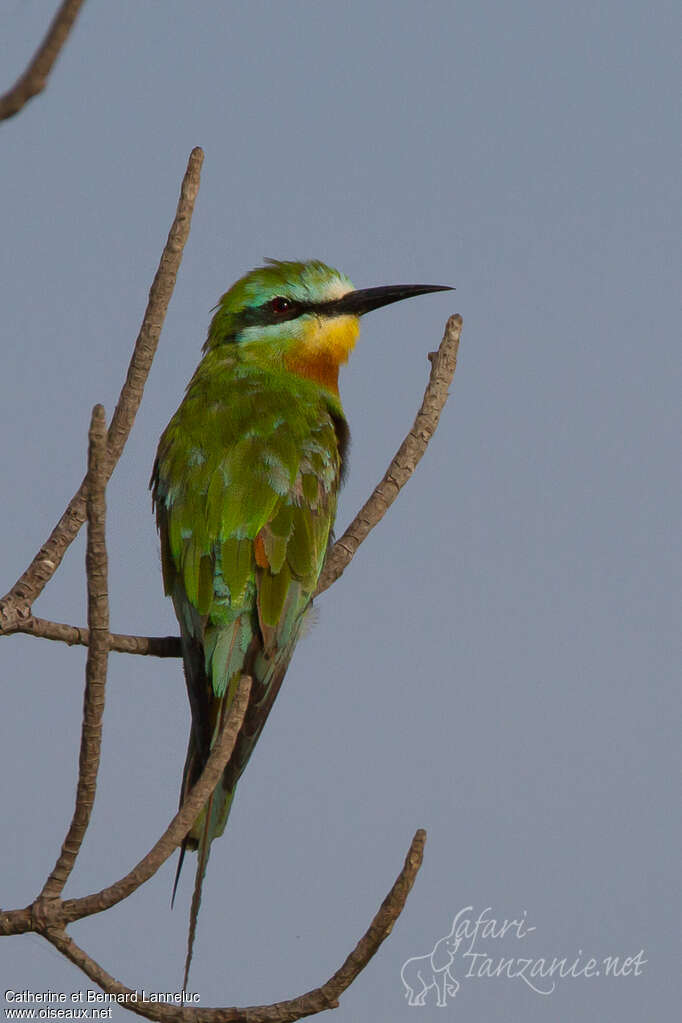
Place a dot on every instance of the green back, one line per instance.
(245, 487)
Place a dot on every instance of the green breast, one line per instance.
(245, 487)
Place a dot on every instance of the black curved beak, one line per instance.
(357, 303)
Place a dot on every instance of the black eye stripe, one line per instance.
(265, 315)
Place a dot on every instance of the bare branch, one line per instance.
(16, 604)
(327, 996)
(321, 998)
(34, 78)
(76, 635)
(43, 916)
(96, 568)
(68, 947)
(48, 914)
(443, 365)
(159, 298)
(74, 909)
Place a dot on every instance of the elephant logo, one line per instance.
(421, 973)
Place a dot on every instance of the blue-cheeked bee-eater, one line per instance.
(245, 486)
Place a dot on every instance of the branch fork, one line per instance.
(49, 914)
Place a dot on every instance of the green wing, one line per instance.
(245, 490)
(245, 486)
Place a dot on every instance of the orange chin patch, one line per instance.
(324, 347)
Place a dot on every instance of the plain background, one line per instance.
(500, 662)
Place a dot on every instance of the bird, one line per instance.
(244, 486)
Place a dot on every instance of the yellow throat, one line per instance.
(325, 345)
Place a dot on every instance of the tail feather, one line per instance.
(202, 862)
(268, 674)
(190, 775)
(183, 850)
(217, 805)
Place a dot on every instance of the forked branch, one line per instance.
(56, 914)
(324, 997)
(49, 914)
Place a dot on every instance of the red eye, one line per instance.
(280, 304)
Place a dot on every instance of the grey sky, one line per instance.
(500, 663)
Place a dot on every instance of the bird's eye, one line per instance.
(281, 304)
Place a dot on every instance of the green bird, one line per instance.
(245, 485)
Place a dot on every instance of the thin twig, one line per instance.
(20, 921)
(321, 998)
(34, 78)
(381, 926)
(76, 635)
(443, 365)
(16, 605)
(96, 570)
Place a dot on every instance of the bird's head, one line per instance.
(303, 317)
